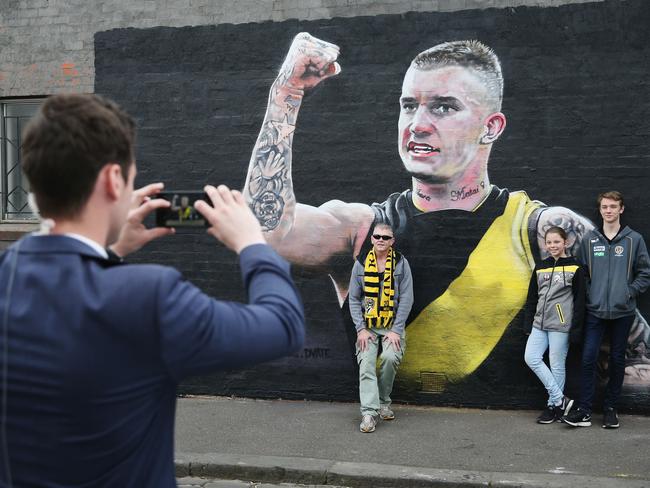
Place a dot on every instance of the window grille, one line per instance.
(13, 184)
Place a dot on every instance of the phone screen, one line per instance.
(181, 213)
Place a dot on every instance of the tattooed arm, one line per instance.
(303, 234)
(576, 226)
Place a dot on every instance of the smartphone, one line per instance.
(181, 212)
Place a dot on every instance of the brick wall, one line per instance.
(576, 80)
(47, 45)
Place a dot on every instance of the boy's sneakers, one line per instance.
(610, 419)
(368, 423)
(577, 418)
(547, 416)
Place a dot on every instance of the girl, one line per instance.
(556, 295)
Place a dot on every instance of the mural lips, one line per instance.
(421, 149)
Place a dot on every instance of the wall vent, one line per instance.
(433, 382)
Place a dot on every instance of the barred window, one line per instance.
(13, 185)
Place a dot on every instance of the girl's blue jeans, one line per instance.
(554, 377)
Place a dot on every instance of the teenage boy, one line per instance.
(618, 272)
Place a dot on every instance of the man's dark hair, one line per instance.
(473, 55)
(66, 145)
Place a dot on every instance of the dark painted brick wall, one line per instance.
(576, 98)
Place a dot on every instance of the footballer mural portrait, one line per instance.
(471, 132)
(450, 116)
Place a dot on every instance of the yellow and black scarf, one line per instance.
(378, 311)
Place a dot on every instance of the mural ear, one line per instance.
(494, 126)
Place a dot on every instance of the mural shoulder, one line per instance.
(575, 225)
(395, 210)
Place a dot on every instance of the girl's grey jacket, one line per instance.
(618, 272)
(556, 297)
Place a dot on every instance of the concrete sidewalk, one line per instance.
(319, 443)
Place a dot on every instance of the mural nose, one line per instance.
(422, 123)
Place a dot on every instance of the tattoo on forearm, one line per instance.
(269, 189)
(282, 79)
(282, 130)
(268, 209)
(574, 227)
(269, 174)
(292, 103)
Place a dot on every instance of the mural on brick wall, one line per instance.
(462, 188)
(450, 115)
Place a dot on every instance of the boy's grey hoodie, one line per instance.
(618, 272)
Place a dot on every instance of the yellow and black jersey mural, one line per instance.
(471, 132)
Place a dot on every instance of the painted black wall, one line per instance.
(576, 98)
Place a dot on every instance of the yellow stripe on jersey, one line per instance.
(456, 332)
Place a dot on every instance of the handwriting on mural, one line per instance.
(314, 353)
(465, 192)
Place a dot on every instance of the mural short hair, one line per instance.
(617, 196)
(66, 145)
(469, 54)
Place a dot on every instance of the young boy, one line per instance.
(618, 272)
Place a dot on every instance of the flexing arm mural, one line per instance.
(450, 116)
(292, 228)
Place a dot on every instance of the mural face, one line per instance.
(471, 243)
(442, 119)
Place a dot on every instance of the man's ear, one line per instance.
(113, 180)
(494, 126)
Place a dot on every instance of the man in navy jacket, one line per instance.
(91, 350)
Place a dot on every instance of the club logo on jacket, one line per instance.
(618, 250)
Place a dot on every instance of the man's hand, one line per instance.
(308, 62)
(231, 220)
(134, 234)
(362, 339)
(393, 339)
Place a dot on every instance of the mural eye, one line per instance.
(443, 108)
(409, 107)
